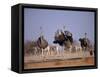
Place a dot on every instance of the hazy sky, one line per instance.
(77, 22)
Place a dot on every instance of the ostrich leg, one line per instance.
(42, 53)
(84, 53)
(62, 52)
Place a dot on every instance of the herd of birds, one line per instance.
(63, 39)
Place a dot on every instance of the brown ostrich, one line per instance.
(42, 43)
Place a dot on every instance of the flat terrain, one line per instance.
(60, 63)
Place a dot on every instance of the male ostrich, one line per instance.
(84, 42)
(63, 38)
(59, 38)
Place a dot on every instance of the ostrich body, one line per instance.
(84, 43)
(64, 39)
(42, 43)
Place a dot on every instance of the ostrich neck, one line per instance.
(42, 40)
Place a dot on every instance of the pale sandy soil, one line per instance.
(60, 63)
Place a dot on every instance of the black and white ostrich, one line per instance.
(84, 42)
(63, 38)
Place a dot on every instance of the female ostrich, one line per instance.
(41, 42)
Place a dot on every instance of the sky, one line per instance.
(77, 22)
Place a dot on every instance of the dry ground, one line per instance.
(60, 63)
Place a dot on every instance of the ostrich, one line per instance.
(41, 42)
(84, 42)
(68, 40)
(64, 39)
(59, 37)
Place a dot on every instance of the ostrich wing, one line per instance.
(42, 43)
